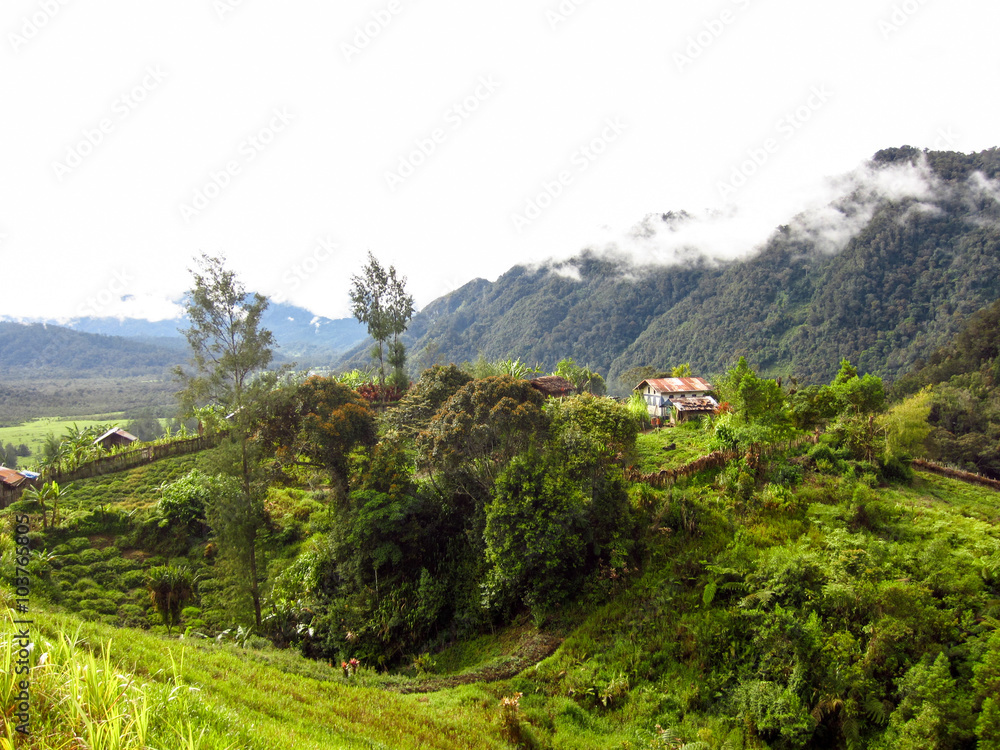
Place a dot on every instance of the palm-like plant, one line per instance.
(46, 499)
(516, 368)
(169, 587)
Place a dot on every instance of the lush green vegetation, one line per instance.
(122, 688)
(671, 447)
(472, 567)
(806, 618)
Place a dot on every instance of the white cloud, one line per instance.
(567, 271)
(451, 222)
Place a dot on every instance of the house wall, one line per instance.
(665, 411)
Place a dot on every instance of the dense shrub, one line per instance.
(183, 502)
(133, 616)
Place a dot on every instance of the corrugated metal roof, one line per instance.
(695, 403)
(118, 431)
(677, 385)
(11, 477)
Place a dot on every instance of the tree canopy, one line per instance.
(228, 344)
(317, 422)
(379, 300)
(481, 427)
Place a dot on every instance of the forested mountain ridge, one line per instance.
(586, 308)
(45, 350)
(883, 275)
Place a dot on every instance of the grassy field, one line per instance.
(690, 441)
(33, 433)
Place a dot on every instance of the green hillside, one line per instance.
(476, 564)
(811, 596)
(837, 610)
(61, 352)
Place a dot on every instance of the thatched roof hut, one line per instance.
(553, 385)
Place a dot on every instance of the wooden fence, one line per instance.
(964, 476)
(662, 478)
(713, 460)
(719, 459)
(127, 459)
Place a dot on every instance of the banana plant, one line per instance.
(46, 498)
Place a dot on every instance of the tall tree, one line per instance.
(754, 399)
(400, 309)
(480, 429)
(228, 344)
(369, 293)
(231, 352)
(379, 300)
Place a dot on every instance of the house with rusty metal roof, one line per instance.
(676, 399)
(11, 477)
(11, 484)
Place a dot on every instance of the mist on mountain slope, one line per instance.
(835, 212)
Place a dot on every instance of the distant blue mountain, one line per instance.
(301, 336)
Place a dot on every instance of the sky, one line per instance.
(449, 139)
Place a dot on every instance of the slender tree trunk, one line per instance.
(254, 586)
(252, 551)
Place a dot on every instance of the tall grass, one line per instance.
(182, 695)
(81, 698)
